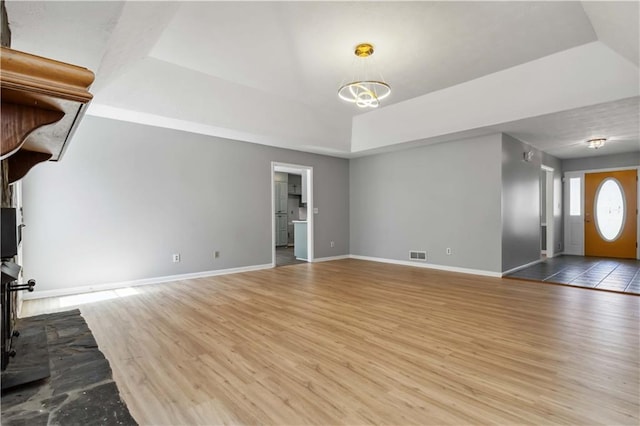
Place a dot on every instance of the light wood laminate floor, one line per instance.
(355, 342)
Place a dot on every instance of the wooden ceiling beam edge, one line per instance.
(30, 73)
(22, 162)
(18, 121)
(42, 103)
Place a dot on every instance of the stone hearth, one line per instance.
(80, 390)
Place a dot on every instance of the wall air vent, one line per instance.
(418, 255)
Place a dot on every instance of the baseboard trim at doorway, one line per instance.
(518, 268)
(330, 258)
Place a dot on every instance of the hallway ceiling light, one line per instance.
(363, 90)
(596, 143)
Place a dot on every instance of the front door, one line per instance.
(610, 214)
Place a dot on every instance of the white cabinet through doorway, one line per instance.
(281, 229)
(281, 195)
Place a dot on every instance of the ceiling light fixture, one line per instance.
(596, 143)
(364, 91)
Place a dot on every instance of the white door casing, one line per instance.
(307, 183)
(549, 213)
(574, 225)
(574, 213)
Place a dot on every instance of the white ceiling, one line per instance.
(268, 72)
(304, 50)
(563, 133)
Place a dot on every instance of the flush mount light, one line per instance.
(596, 143)
(364, 91)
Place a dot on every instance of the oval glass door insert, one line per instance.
(609, 209)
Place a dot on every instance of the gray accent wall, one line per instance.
(125, 197)
(430, 198)
(630, 159)
(520, 204)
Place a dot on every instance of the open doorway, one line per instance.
(546, 212)
(292, 213)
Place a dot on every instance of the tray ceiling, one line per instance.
(268, 72)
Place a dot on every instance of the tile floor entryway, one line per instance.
(285, 256)
(622, 275)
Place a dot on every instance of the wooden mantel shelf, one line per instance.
(42, 103)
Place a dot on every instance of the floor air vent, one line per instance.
(418, 255)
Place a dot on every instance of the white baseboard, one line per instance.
(517, 268)
(429, 266)
(158, 280)
(330, 258)
(146, 281)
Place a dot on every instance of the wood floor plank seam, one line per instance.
(357, 342)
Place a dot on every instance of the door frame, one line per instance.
(581, 173)
(550, 249)
(576, 249)
(307, 173)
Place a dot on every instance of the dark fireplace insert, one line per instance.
(10, 275)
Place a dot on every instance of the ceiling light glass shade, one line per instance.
(596, 143)
(364, 89)
(365, 94)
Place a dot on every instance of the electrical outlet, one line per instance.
(216, 254)
(176, 258)
(333, 244)
(448, 251)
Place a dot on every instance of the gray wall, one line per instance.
(520, 204)
(631, 159)
(126, 196)
(430, 198)
(558, 223)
